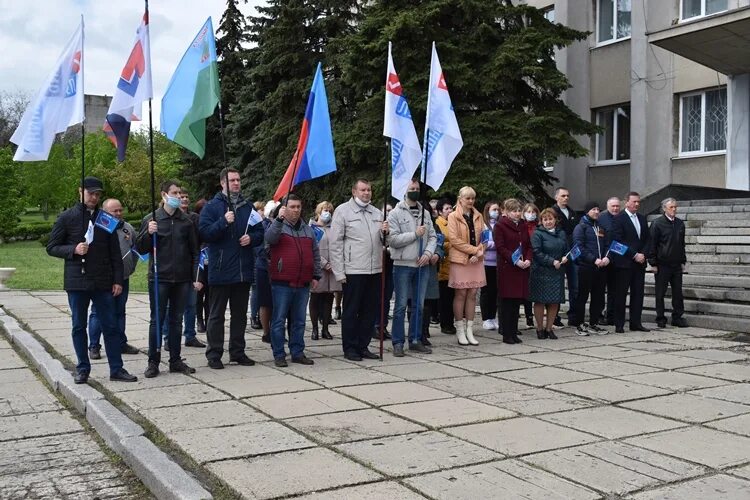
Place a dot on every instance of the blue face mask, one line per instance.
(173, 201)
(494, 214)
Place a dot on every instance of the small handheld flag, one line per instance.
(319, 233)
(485, 236)
(255, 218)
(618, 248)
(106, 222)
(203, 259)
(517, 255)
(574, 252)
(89, 236)
(143, 257)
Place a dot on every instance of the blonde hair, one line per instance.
(548, 212)
(531, 206)
(322, 206)
(466, 192)
(512, 204)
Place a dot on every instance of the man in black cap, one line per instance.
(93, 274)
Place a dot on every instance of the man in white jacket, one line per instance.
(412, 240)
(356, 248)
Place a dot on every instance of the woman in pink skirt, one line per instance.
(467, 263)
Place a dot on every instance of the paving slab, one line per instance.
(353, 425)
(269, 476)
(393, 393)
(688, 407)
(422, 371)
(387, 490)
(500, 349)
(345, 377)
(278, 384)
(611, 422)
(697, 444)
(609, 368)
(489, 364)
(650, 345)
(172, 396)
(667, 361)
(743, 472)
(614, 468)
(521, 436)
(715, 355)
(719, 486)
(473, 385)
(725, 371)
(545, 375)
(219, 443)
(36, 425)
(12, 376)
(608, 352)
(738, 425)
(233, 372)
(609, 390)
(704, 343)
(737, 393)
(502, 479)
(552, 358)
(449, 412)
(203, 415)
(562, 343)
(20, 397)
(100, 372)
(9, 360)
(416, 453)
(534, 401)
(299, 404)
(674, 381)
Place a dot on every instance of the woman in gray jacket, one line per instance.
(547, 280)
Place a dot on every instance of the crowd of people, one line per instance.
(434, 257)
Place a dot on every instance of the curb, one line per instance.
(162, 476)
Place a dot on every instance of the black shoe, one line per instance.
(181, 367)
(331, 321)
(661, 324)
(551, 335)
(303, 360)
(679, 323)
(426, 342)
(558, 321)
(326, 334)
(448, 330)
(216, 364)
(419, 347)
(508, 340)
(376, 334)
(81, 377)
(315, 335)
(529, 321)
(123, 376)
(639, 328)
(242, 360)
(95, 352)
(352, 356)
(129, 349)
(434, 321)
(366, 354)
(152, 370)
(619, 329)
(255, 324)
(337, 314)
(194, 342)
(201, 326)
(541, 334)
(517, 340)
(280, 362)
(266, 339)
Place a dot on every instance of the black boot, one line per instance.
(338, 313)
(315, 335)
(541, 334)
(551, 335)
(325, 333)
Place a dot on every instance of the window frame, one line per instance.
(616, 129)
(614, 38)
(702, 13)
(702, 151)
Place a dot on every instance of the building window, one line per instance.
(549, 13)
(703, 122)
(613, 144)
(699, 8)
(613, 20)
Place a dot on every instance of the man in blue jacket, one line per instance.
(229, 226)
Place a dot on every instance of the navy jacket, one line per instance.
(228, 262)
(624, 232)
(606, 221)
(591, 240)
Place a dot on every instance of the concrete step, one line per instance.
(713, 203)
(716, 249)
(719, 269)
(718, 231)
(730, 239)
(734, 309)
(705, 216)
(719, 223)
(709, 258)
(708, 294)
(710, 280)
(728, 323)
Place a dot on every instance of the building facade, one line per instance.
(662, 78)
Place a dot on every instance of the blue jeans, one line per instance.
(172, 296)
(188, 317)
(105, 305)
(409, 283)
(95, 327)
(292, 302)
(571, 273)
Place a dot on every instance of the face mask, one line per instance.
(529, 217)
(360, 202)
(494, 214)
(325, 216)
(172, 201)
(412, 195)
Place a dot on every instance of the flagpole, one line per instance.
(224, 154)
(83, 150)
(153, 211)
(388, 145)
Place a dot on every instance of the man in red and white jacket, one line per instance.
(294, 266)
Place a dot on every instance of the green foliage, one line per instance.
(10, 203)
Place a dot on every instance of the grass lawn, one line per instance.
(35, 270)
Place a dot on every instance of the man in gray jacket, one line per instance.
(412, 240)
(356, 247)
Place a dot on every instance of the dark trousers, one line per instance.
(632, 279)
(571, 274)
(201, 304)
(237, 294)
(172, 296)
(528, 308)
(359, 310)
(79, 301)
(669, 275)
(446, 304)
(509, 309)
(488, 295)
(591, 281)
(611, 293)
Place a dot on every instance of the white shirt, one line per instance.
(635, 221)
(565, 211)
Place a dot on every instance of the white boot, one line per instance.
(470, 332)
(461, 332)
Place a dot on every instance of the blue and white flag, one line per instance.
(517, 255)
(442, 140)
(486, 235)
(203, 258)
(106, 221)
(89, 236)
(57, 106)
(318, 233)
(618, 248)
(143, 257)
(255, 218)
(575, 252)
(406, 154)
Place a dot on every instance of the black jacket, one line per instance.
(103, 266)
(591, 240)
(623, 231)
(176, 243)
(667, 242)
(566, 224)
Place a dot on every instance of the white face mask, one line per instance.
(360, 202)
(325, 216)
(531, 217)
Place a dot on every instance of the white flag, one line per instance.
(442, 137)
(57, 106)
(398, 125)
(89, 236)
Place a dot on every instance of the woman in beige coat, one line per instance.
(321, 297)
(467, 263)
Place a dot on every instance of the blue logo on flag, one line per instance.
(318, 233)
(106, 222)
(517, 255)
(402, 108)
(575, 252)
(485, 236)
(618, 248)
(433, 138)
(397, 166)
(202, 259)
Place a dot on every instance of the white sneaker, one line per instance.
(489, 324)
(583, 330)
(597, 329)
(495, 324)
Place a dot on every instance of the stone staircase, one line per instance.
(717, 280)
